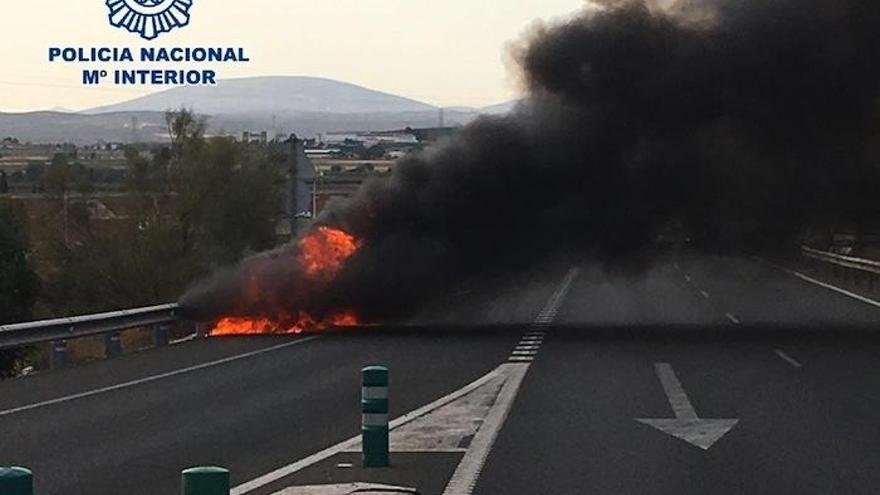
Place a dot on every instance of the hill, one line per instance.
(272, 95)
(307, 106)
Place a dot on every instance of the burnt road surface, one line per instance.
(696, 338)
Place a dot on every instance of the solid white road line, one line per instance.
(845, 292)
(289, 469)
(788, 359)
(516, 371)
(812, 280)
(153, 378)
(468, 471)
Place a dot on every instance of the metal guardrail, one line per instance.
(862, 264)
(37, 332)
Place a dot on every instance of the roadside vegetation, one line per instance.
(19, 284)
(190, 206)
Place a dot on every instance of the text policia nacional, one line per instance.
(173, 75)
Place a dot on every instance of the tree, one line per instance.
(142, 174)
(240, 206)
(198, 204)
(375, 152)
(82, 179)
(187, 134)
(59, 178)
(229, 195)
(19, 285)
(34, 172)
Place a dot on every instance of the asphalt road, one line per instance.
(793, 362)
(253, 414)
(798, 372)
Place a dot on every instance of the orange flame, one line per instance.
(253, 326)
(322, 253)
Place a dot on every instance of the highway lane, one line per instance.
(572, 428)
(797, 370)
(762, 294)
(128, 425)
(251, 415)
(99, 374)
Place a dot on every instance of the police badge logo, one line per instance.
(149, 18)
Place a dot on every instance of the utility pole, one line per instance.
(300, 172)
(66, 220)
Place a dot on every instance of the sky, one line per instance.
(446, 53)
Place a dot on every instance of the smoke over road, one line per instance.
(739, 123)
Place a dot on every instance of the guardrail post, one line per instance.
(16, 481)
(59, 355)
(374, 405)
(204, 480)
(112, 344)
(162, 334)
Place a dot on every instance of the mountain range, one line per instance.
(307, 106)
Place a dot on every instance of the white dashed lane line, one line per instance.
(530, 343)
(732, 318)
(788, 359)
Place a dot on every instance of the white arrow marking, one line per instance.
(702, 433)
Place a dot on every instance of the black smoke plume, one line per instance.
(739, 124)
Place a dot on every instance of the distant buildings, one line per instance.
(255, 137)
(335, 165)
(320, 170)
(25, 163)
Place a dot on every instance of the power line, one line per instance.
(71, 86)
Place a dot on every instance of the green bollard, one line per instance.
(16, 481)
(374, 406)
(205, 480)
